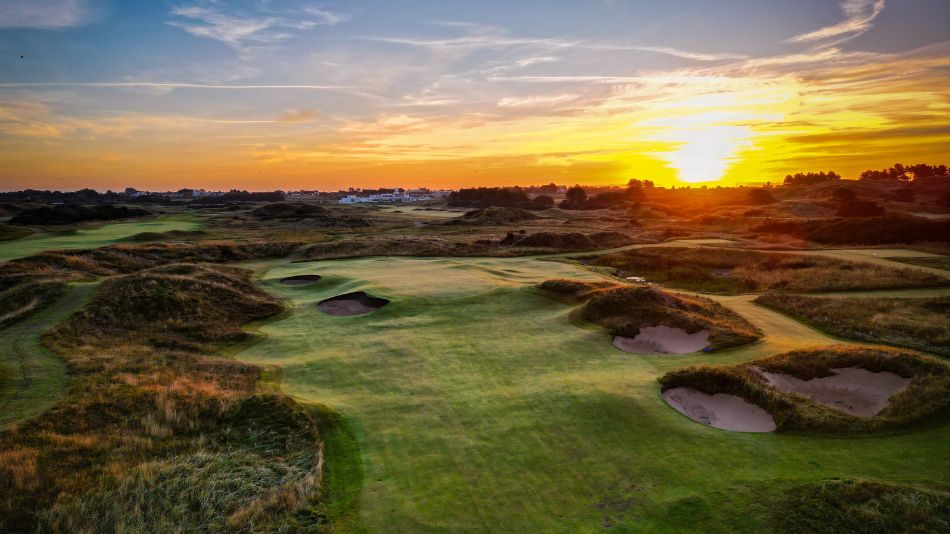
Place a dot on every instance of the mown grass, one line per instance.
(924, 402)
(861, 506)
(918, 323)
(623, 310)
(731, 271)
(479, 406)
(93, 237)
(155, 434)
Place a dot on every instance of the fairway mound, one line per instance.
(663, 340)
(289, 210)
(833, 390)
(850, 389)
(721, 410)
(349, 304)
(300, 279)
(493, 216)
(648, 320)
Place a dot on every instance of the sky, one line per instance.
(294, 94)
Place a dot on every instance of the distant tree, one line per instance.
(842, 194)
(760, 197)
(542, 202)
(634, 191)
(607, 199)
(484, 197)
(810, 178)
(905, 172)
(860, 208)
(574, 198)
(549, 189)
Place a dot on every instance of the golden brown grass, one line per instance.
(915, 323)
(152, 424)
(719, 270)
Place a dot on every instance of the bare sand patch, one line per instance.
(852, 390)
(300, 279)
(722, 410)
(663, 340)
(358, 303)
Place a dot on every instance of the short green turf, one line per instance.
(93, 237)
(479, 406)
(35, 377)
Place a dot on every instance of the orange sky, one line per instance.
(483, 106)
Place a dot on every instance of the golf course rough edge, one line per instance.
(917, 395)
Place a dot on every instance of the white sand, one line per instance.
(721, 410)
(851, 389)
(663, 340)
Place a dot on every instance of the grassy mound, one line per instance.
(288, 210)
(861, 506)
(623, 310)
(925, 401)
(569, 241)
(171, 235)
(27, 295)
(155, 434)
(183, 306)
(718, 270)
(8, 232)
(915, 323)
(494, 216)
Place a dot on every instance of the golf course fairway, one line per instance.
(479, 406)
(93, 237)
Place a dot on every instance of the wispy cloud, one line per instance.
(169, 85)
(240, 30)
(859, 14)
(47, 14)
(537, 101)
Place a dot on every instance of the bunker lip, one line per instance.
(300, 279)
(721, 410)
(349, 304)
(852, 390)
(663, 339)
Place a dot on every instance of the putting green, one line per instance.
(34, 377)
(92, 237)
(479, 406)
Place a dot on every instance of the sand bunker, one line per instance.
(851, 389)
(721, 410)
(358, 303)
(663, 340)
(300, 279)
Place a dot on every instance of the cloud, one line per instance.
(301, 115)
(859, 14)
(535, 101)
(47, 14)
(241, 30)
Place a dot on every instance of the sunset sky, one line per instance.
(266, 94)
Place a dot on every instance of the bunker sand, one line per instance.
(852, 390)
(724, 411)
(349, 304)
(663, 340)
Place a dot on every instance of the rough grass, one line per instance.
(493, 216)
(918, 323)
(155, 434)
(27, 295)
(924, 402)
(623, 310)
(9, 232)
(861, 506)
(933, 262)
(718, 270)
(170, 235)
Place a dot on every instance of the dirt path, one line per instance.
(35, 376)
